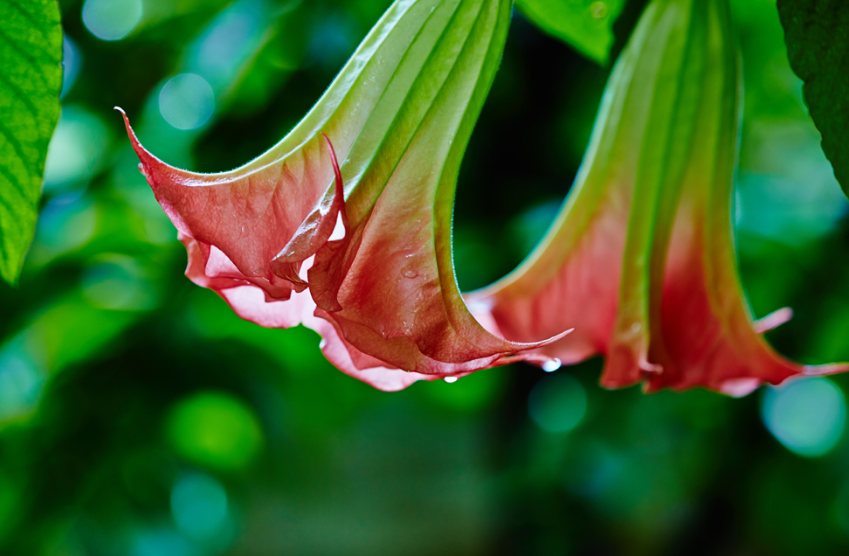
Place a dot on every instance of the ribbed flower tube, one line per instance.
(345, 224)
(641, 259)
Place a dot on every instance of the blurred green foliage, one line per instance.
(587, 25)
(139, 416)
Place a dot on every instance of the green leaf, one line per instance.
(584, 24)
(30, 83)
(817, 36)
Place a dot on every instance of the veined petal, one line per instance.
(399, 116)
(389, 286)
(253, 214)
(641, 258)
(709, 338)
(602, 233)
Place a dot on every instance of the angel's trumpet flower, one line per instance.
(641, 258)
(383, 295)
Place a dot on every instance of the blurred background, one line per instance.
(140, 417)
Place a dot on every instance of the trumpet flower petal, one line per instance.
(641, 257)
(383, 295)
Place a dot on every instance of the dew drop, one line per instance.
(410, 273)
(450, 379)
(552, 365)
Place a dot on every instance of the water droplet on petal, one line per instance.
(410, 273)
(450, 379)
(552, 365)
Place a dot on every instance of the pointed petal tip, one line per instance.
(650, 368)
(545, 362)
(543, 343)
(126, 123)
(824, 370)
(144, 155)
(340, 185)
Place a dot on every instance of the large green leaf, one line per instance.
(584, 24)
(30, 83)
(817, 36)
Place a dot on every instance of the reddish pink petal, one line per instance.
(386, 290)
(573, 280)
(208, 267)
(708, 336)
(315, 230)
(389, 288)
(253, 213)
(644, 267)
(373, 372)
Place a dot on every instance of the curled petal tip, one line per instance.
(536, 358)
(555, 338)
(340, 186)
(773, 320)
(651, 368)
(823, 370)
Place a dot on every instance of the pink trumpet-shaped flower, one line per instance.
(641, 258)
(381, 291)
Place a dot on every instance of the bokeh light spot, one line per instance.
(64, 224)
(228, 43)
(806, 416)
(77, 149)
(117, 282)
(20, 382)
(162, 542)
(557, 403)
(199, 506)
(186, 101)
(111, 20)
(72, 61)
(216, 430)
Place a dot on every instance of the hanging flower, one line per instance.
(359, 248)
(641, 258)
